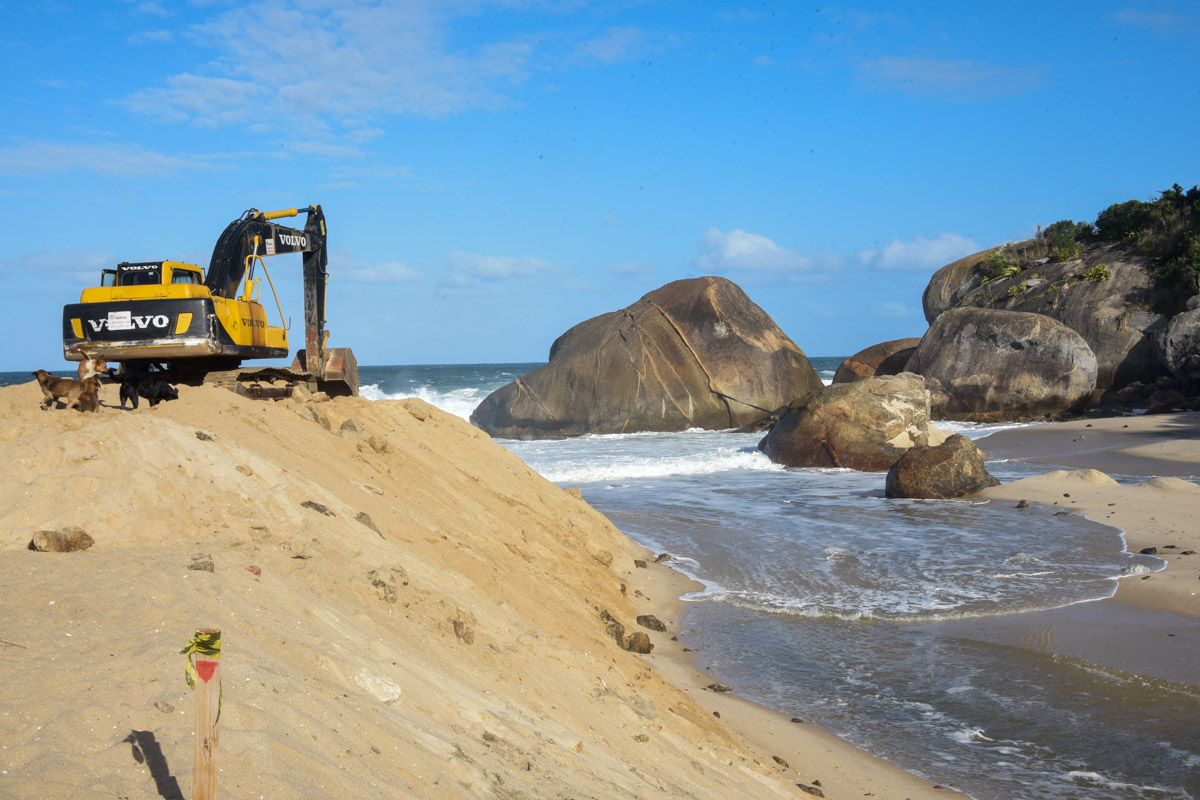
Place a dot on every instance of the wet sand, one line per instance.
(1151, 627)
(1152, 504)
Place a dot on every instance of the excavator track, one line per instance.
(274, 383)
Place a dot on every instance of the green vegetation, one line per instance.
(1065, 240)
(998, 264)
(1166, 229)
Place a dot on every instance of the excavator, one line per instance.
(194, 327)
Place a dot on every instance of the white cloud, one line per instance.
(920, 254)
(153, 9)
(471, 274)
(889, 309)
(334, 66)
(349, 268)
(335, 60)
(205, 101)
(956, 80)
(388, 272)
(79, 268)
(1161, 22)
(349, 177)
(633, 269)
(151, 37)
(324, 149)
(615, 46)
(45, 158)
(493, 268)
(740, 251)
(66, 261)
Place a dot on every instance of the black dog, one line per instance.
(143, 384)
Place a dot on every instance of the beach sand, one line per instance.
(1152, 503)
(407, 610)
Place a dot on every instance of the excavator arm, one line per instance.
(255, 234)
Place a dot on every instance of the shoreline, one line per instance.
(1153, 507)
(811, 756)
(1146, 628)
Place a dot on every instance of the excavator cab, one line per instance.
(139, 274)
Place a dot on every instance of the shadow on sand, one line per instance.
(146, 750)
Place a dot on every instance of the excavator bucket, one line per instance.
(340, 378)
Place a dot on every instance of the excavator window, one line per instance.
(139, 275)
(182, 276)
(140, 279)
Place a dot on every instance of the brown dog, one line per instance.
(92, 366)
(53, 388)
(85, 396)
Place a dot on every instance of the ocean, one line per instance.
(909, 628)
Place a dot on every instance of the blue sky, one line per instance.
(495, 172)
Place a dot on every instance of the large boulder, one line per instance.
(885, 358)
(939, 472)
(983, 365)
(1107, 295)
(1178, 342)
(695, 353)
(953, 282)
(864, 425)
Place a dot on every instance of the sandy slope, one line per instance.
(423, 618)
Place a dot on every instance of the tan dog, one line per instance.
(86, 395)
(53, 388)
(92, 366)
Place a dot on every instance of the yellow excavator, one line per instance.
(173, 318)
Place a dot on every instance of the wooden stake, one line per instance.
(208, 708)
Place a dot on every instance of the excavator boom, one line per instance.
(255, 235)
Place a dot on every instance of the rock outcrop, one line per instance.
(885, 358)
(984, 365)
(1108, 296)
(951, 469)
(953, 282)
(864, 425)
(1178, 342)
(695, 353)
